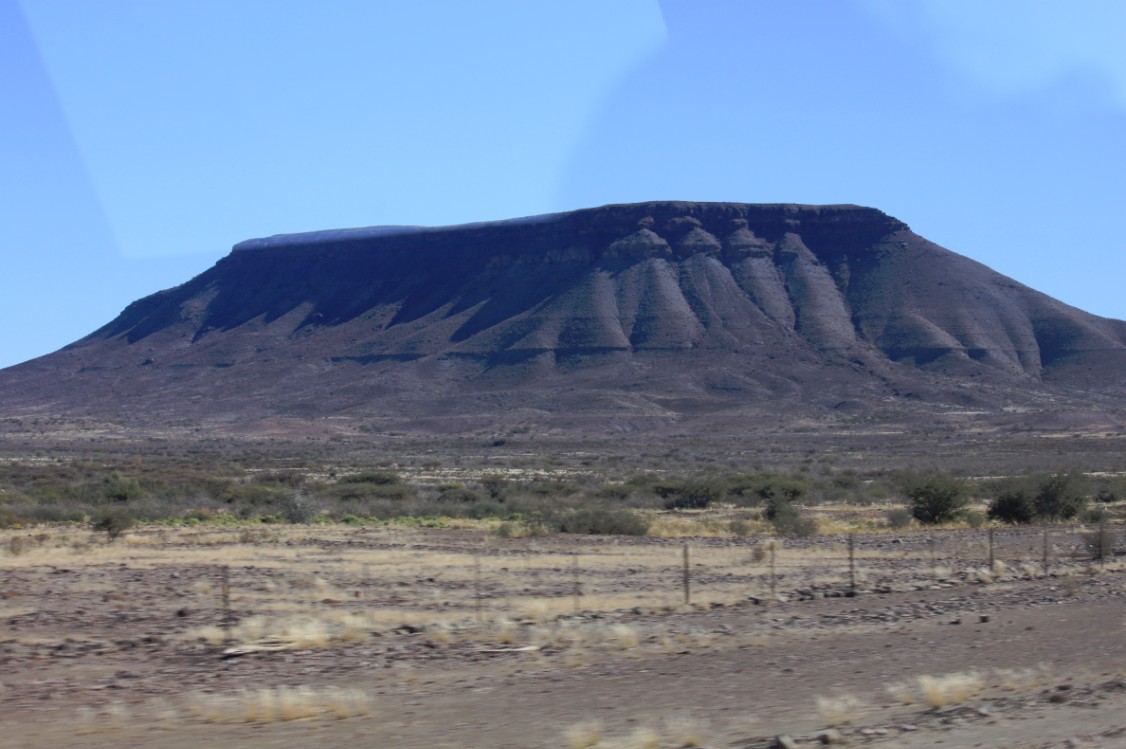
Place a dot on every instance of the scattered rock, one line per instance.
(830, 736)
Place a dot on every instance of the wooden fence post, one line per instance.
(576, 591)
(992, 558)
(687, 582)
(773, 572)
(477, 586)
(852, 563)
(225, 598)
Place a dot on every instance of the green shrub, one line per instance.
(550, 488)
(1058, 497)
(935, 497)
(1012, 507)
(458, 493)
(615, 492)
(117, 488)
(1094, 515)
(494, 484)
(787, 520)
(113, 521)
(755, 488)
(360, 491)
(287, 477)
(381, 478)
(1046, 497)
(602, 522)
(298, 507)
(694, 495)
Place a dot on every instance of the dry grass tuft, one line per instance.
(950, 689)
(685, 731)
(504, 631)
(643, 737)
(271, 705)
(902, 692)
(584, 735)
(1016, 680)
(624, 636)
(836, 711)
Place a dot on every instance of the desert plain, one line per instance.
(710, 630)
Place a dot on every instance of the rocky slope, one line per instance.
(625, 316)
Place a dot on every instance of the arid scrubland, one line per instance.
(430, 608)
(210, 615)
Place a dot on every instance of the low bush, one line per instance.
(1012, 507)
(787, 520)
(899, 518)
(935, 497)
(691, 495)
(298, 507)
(361, 491)
(380, 478)
(1105, 495)
(1094, 515)
(601, 522)
(549, 489)
(975, 519)
(113, 521)
(739, 528)
(458, 493)
(1058, 497)
(755, 488)
(286, 477)
(1047, 497)
(613, 492)
(495, 485)
(1100, 542)
(249, 495)
(117, 488)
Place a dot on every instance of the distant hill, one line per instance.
(693, 316)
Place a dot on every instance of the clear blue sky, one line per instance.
(140, 139)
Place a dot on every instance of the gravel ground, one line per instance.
(104, 651)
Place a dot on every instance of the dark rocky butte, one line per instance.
(667, 315)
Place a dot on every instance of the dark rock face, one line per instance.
(647, 311)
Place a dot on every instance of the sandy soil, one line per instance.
(102, 651)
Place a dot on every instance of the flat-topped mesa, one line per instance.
(616, 233)
(649, 311)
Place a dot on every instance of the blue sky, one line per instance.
(142, 138)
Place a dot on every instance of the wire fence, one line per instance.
(525, 580)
